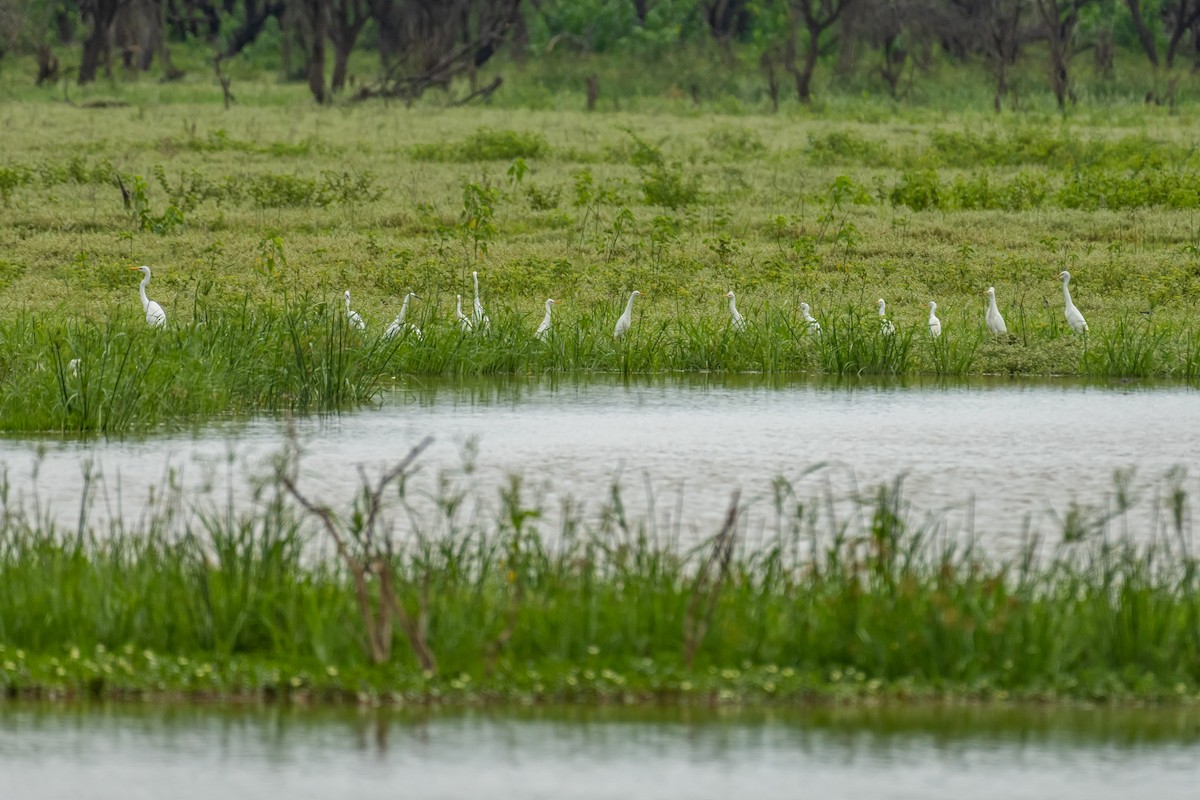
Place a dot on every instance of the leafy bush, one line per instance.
(667, 185)
(485, 144)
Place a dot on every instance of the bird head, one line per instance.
(636, 293)
(804, 307)
(1064, 276)
(142, 269)
(880, 304)
(412, 296)
(932, 306)
(550, 301)
(991, 290)
(729, 295)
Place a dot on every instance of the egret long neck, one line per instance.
(733, 306)
(142, 291)
(546, 320)
(992, 303)
(629, 305)
(1067, 292)
(403, 308)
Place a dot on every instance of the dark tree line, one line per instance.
(427, 43)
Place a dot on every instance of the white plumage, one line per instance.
(463, 319)
(739, 322)
(543, 331)
(155, 316)
(885, 325)
(935, 324)
(353, 317)
(1074, 318)
(814, 327)
(478, 318)
(995, 322)
(626, 319)
(398, 323)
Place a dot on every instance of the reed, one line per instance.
(882, 600)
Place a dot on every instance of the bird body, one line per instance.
(478, 318)
(885, 325)
(739, 322)
(155, 316)
(995, 322)
(1074, 318)
(353, 317)
(935, 324)
(463, 319)
(626, 319)
(398, 323)
(814, 327)
(543, 331)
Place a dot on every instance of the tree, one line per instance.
(1060, 20)
(312, 17)
(816, 17)
(997, 26)
(347, 20)
(1145, 36)
(99, 14)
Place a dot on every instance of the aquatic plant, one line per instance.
(604, 605)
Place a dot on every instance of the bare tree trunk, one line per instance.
(100, 14)
(1144, 34)
(318, 16)
(348, 19)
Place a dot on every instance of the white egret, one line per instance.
(462, 318)
(739, 322)
(398, 323)
(627, 318)
(155, 316)
(543, 331)
(935, 324)
(814, 327)
(885, 325)
(478, 318)
(995, 322)
(1074, 318)
(353, 317)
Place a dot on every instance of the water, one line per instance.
(131, 752)
(996, 456)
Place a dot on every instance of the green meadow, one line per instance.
(256, 219)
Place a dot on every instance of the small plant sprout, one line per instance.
(995, 322)
(737, 320)
(353, 317)
(543, 331)
(155, 316)
(935, 324)
(1074, 318)
(626, 319)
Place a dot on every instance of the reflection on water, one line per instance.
(129, 752)
(1011, 455)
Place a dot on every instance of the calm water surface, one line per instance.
(1005, 455)
(127, 753)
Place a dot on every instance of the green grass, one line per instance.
(211, 601)
(241, 212)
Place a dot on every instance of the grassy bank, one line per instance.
(380, 601)
(256, 219)
(114, 376)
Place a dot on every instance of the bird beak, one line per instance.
(135, 268)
